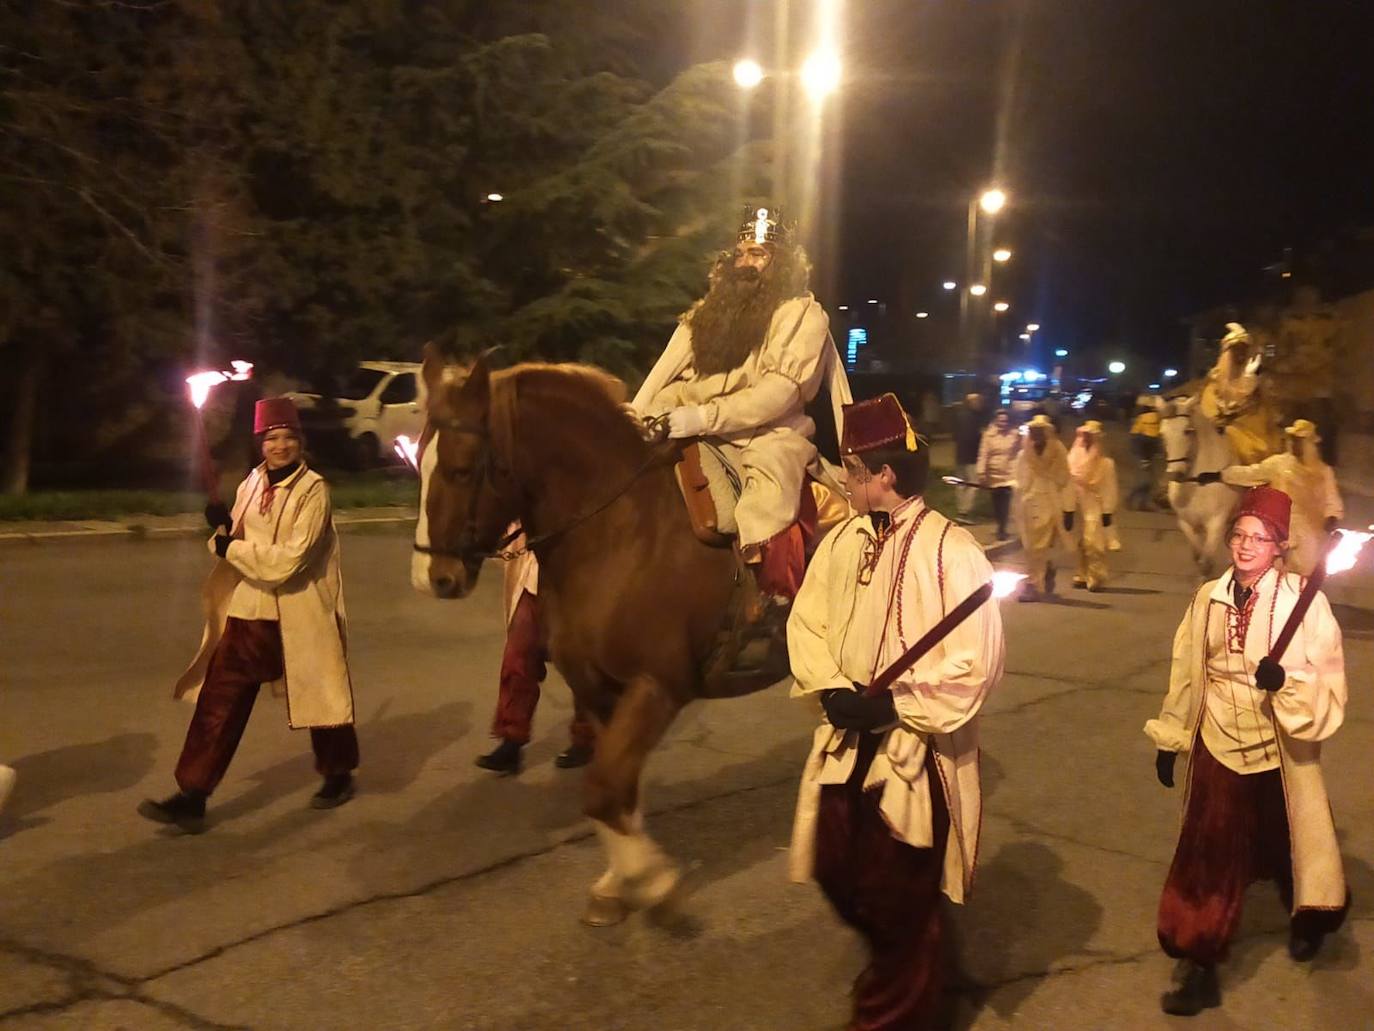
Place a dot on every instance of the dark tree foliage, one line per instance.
(305, 185)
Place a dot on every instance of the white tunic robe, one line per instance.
(843, 632)
(294, 569)
(1307, 710)
(758, 408)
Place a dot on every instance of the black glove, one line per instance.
(1106, 519)
(1068, 521)
(1206, 478)
(222, 545)
(217, 515)
(1331, 523)
(852, 710)
(1270, 675)
(1164, 767)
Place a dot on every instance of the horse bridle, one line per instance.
(1168, 461)
(485, 464)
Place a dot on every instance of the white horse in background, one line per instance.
(1194, 445)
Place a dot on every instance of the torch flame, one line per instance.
(408, 450)
(200, 383)
(953, 481)
(1005, 582)
(1346, 550)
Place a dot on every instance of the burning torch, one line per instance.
(199, 385)
(407, 451)
(1341, 551)
(1002, 584)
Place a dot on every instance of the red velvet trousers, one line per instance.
(782, 558)
(523, 668)
(889, 892)
(1235, 832)
(248, 655)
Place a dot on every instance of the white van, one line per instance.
(377, 403)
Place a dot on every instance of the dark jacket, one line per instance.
(968, 431)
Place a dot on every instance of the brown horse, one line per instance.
(634, 603)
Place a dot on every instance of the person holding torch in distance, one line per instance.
(1257, 684)
(274, 614)
(892, 634)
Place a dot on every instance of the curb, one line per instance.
(343, 522)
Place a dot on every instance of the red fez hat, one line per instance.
(1270, 506)
(273, 412)
(877, 422)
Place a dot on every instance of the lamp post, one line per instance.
(990, 201)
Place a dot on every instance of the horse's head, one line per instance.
(467, 493)
(1179, 436)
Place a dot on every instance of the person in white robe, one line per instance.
(1255, 805)
(1093, 475)
(1044, 499)
(274, 614)
(890, 804)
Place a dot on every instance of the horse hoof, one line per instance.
(604, 911)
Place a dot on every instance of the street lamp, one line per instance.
(923, 314)
(1001, 255)
(978, 289)
(949, 284)
(821, 74)
(1170, 373)
(1001, 306)
(1026, 337)
(1060, 352)
(748, 73)
(993, 201)
(872, 300)
(495, 198)
(1033, 327)
(844, 307)
(1116, 368)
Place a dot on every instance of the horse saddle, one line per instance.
(711, 488)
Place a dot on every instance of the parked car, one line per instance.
(377, 403)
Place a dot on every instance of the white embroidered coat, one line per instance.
(843, 632)
(1307, 710)
(301, 568)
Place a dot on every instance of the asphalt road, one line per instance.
(442, 897)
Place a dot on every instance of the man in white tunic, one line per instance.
(740, 368)
(274, 614)
(1044, 496)
(890, 802)
(1256, 806)
(1095, 494)
(1301, 474)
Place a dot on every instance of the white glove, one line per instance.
(686, 422)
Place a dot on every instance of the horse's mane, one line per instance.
(589, 389)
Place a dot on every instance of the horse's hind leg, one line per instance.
(639, 873)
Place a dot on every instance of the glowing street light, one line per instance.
(993, 201)
(748, 73)
(821, 74)
(1060, 352)
(949, 284)
(873, 300)
(1032, 327)
(1001, 306)
(1001, 255)
(1026, 337)
(978, 289)
(1116, 368)
(1170, 373)
(495, 198)
(923, 314)
(844, 307)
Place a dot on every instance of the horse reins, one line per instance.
(486, 465)
(1184, 459)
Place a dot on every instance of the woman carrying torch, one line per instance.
(274, 614)
(892, 634)
(1257, 684)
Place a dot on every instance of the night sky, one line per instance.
(1159, 152)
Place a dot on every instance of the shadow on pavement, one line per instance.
(1024, 917)
(1355, 622)
(48, 778)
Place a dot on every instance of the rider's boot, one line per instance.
(778, 565)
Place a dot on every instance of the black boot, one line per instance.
(1197, 991)
(504, 758)
(1303, 946)
(573, 757)
(186, 809)
(335, 791)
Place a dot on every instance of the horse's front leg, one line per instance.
(639, 874)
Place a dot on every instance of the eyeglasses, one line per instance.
(1237, 539)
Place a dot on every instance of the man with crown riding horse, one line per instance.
(741, 367)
